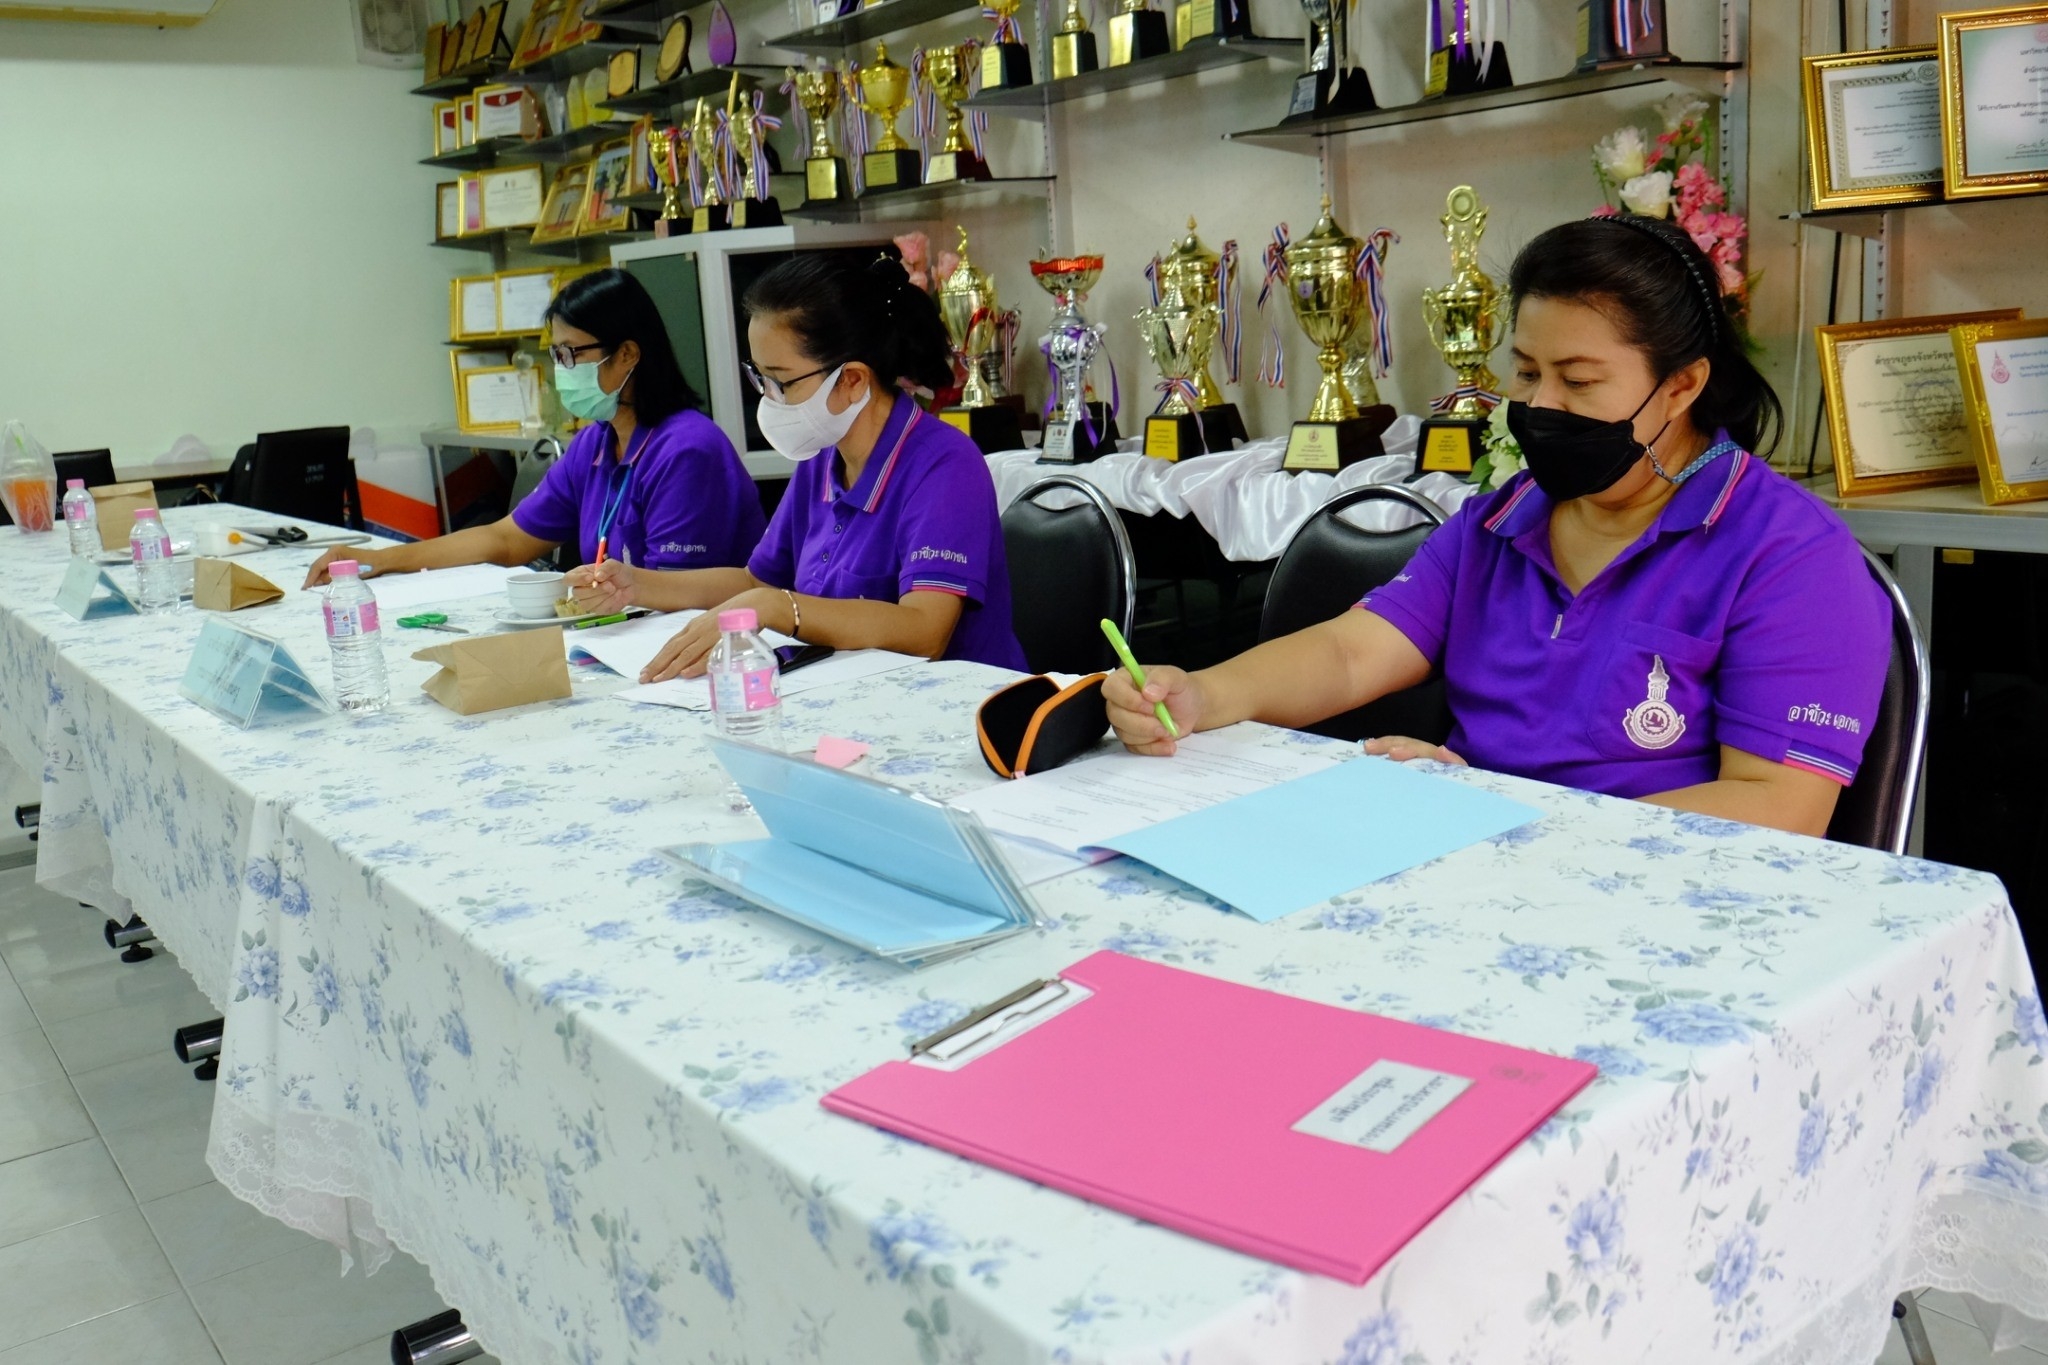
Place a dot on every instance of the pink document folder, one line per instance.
(1175, 1097)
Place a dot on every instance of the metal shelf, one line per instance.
(871, 21)
(564, 146)
(481, 242)
(641, 15)
(470, 157)
(463, 81)
(1706, 77)
(1868, 220)
(1004, 187)
(691, 85)
(652, 199)
(1202, 54)
(560, 66)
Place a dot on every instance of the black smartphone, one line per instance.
(792, 657)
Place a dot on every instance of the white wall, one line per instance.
(216, 230)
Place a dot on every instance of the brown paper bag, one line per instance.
(117, 504)
(223, 585)
(491, 672)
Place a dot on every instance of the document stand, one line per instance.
(247, 678)
(80, 595)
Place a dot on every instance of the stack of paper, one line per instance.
(399, 593)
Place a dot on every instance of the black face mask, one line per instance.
(1571, 455)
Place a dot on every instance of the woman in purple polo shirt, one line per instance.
(651, 481)
(888, 537)
(1648, 611)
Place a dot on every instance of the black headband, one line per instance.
(1710, 295)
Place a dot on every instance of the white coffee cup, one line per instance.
(213, 541)
(533, 595)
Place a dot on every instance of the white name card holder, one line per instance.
(247, 678)
(81, 597)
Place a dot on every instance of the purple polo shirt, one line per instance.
(690, 503)
(1744, 616)
(921, 518)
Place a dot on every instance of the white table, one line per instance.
(470, 1014)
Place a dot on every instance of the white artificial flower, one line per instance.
(1622, 155)
(1648, 194)
(1679, 107)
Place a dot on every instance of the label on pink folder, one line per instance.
(1384, 1106)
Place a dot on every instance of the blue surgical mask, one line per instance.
(583, 395)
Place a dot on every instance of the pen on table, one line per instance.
(1123, 652)
(611, 620)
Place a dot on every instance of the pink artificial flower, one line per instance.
(916, 249)
(1732, 281)
(1605, 211)
(948, 262)
(1697, 189)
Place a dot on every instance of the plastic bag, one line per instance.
(28, 479)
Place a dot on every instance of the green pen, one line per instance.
(1123, 652)
(604, 620)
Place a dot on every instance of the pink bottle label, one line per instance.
(343, 622)
(760, 689)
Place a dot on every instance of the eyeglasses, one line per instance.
(565, 355)
(777, 388)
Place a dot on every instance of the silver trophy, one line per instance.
(1075, 430)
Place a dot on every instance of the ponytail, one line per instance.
(844, 309)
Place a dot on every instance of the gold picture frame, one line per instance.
(1985, 51)
(493, 34)
(473, 308)
(622, 73)
(537, 36)
(513, 196)
(523, 297)
(640, 166)
(500, 110)
(447, 211)
(1900, 86)
(1895, 403)
(465, 121)
(472, 29)
(469, 191)
(674, 56)
(576, 30)
(564, 206)
(447, 128)
(451, 50)
(2023, 357)
(430, 53)
(610, 169)
(466, 377)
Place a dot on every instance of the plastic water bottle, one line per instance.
(350, 610)
(149, 546)
(81, 519)
(746, 688)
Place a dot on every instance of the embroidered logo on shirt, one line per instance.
(1651, 723)
(676, 547)
(1813, 713)
(927, 552)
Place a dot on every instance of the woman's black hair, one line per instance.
(1660, 291)
(615, 308)
(842, 309)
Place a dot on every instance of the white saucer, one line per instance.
(506, 618)
(180, 549)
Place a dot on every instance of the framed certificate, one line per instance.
(489, 398)
(465, 121)
(576, 30)
(602, 211)
(512, 196)
(447, 128)
(1994, 101)
(500, 111)
(537, 38)
(523, 299)
(473, 307)
(2005, 396)
(469, 191)
(447, 211)
(1895, 402)
(640, 165)
(564, 202)
(1873, 127)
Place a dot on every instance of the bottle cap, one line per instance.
(742, 618)
(344, 568)
(74, 483)
(145, 514)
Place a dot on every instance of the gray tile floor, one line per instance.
(117, 1245)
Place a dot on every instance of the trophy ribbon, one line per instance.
(1272, 355)
(799, 121)
(762, 123)
(1007, 324)
(1177, 384)
(1229, 310)
(1006, 25)
(727, 167)
(1638, 30)
(924, 107)
(1490, 36)
(1152, 280)
(977, 119)
(1372, 268)
(856, 126)
(696, 159)
(1116, 394)
(1460, 394)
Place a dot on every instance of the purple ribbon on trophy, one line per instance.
(856, 128)
(1152, 280)
(1230, 311)
(1372, 268)
(1272, 355)
(728, 158)
(762, 123)
(694, 157)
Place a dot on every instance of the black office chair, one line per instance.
(1071, 567)
(1876, 811)
(305, 474)
(1323, 572)
(96, 467)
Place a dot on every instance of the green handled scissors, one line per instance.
(431, 620)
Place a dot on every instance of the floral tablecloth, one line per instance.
(470, 1013)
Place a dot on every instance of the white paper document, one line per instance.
(630, 646)
(694, 694)
(399, 593)
(1080, 805)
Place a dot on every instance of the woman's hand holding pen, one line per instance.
(605, 588)
(1131, 713)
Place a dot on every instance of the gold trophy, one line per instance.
(1073, 47)
(974, 321)
(1331, 84)
(1194, 19)
(1076, 430)
(1181, 331)
(1136, 32)
(825, 179)
(1005, 60)
(1330, 301)
(946, 68)
(747, 124)
(1465, 322)
(668, 173)
(712, 215)
(884, 92)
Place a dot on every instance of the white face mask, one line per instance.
(802, 430)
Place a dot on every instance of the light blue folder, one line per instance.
(886, 870)
(1301, 842)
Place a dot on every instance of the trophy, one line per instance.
(747, 123)
(884, 91)
(974, 321)
(1136, 32)
(1330, 84)
(1322, 275)
(1073, 47)
(817, 92)
(1076, 430)
(668, 173)
(947, 69)
(1621, 35)
(707, 151)
(1463, 63)
(1194, 19)
(1465, 322)
(1005, 61)
(1181, 331)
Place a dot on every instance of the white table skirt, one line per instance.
(470, 1014)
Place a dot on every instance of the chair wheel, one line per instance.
(135, 952)
(206, 1070)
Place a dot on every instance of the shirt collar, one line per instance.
(635, 448)
(1699, 501)
(867, 490)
